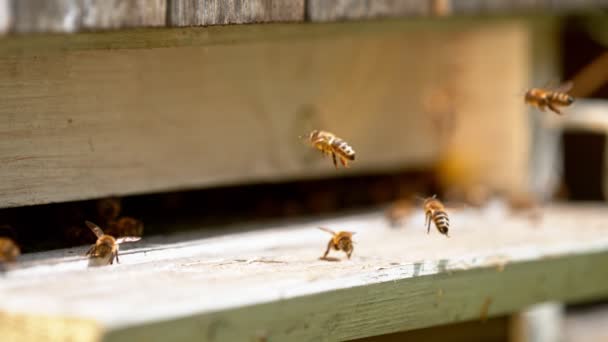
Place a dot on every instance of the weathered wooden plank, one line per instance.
(321, 10)
(521, 6)
(227, 111)
(269, 283)
(218, 12)
(77, 15)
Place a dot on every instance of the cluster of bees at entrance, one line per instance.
(118, 230)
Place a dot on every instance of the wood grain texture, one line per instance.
(238, 284)
(218, 12)
(24, 16)
(93, 122)
(321, 10)
(77, 15)
(522, 6)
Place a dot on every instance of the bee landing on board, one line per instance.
(434, 211)
(329, 144)
(106, 247)
(543, 98)
(340, 241)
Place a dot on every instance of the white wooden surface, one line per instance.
(234, 286)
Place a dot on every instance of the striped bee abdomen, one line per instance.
(442, 222)
(561, 98)
(343, 148)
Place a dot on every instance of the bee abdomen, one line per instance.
(562, 98)
(442, 222)
(344, 149)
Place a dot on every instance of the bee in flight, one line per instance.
(527, 204)
(398, 212)
(329, 144)
(106, 247)
(554, 98)
(434, 211)
(340, 241)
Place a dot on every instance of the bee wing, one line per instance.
(327, 230)
(127, 239)
(94, 228)
(564, 87)
(456, 207)
(418, 200)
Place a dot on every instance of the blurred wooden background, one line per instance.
(92, 115)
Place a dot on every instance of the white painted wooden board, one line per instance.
(241, 284)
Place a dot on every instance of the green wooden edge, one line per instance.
(386, 307)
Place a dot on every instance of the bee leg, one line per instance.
(116, 257)
(554, 108)
(90, 251)
(428, 223)
(327, 250)
(333, 156)
(349, 253)
(343, 161)
(426, 218)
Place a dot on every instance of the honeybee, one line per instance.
(329, 144)
(340, 241)
(400, 210)
(108, 209)
(125, 226)
(526, 204)
(9, 251)
(434, 211)
(543, 98)
(106, 247)
(77, 235)
(476, 196)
